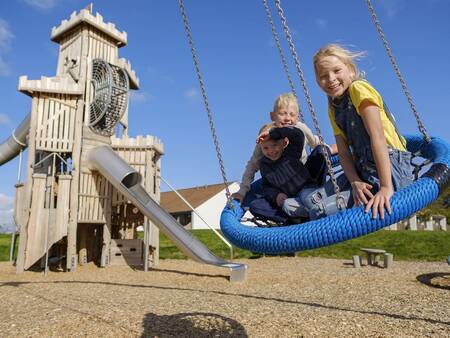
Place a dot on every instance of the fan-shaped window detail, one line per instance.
(110, 87)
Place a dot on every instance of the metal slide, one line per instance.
(128, 181)
(16, 142)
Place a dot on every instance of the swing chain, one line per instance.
(375, 20)
(205, 99)
(283, 58)
(300, 74)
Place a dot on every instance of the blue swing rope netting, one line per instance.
(349, 223)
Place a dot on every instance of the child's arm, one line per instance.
(249, 174)
(272, 194)
(370, 115)
(296, 138)
(360, 189)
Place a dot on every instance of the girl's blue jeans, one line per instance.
(315, 202)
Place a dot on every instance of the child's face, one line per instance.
(285, 115)
(333, 76)
(273, 149)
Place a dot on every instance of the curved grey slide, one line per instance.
(16, 142)
(128, 181)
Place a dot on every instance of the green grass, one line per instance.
(404, 245)
(438, 207)
(5, 242)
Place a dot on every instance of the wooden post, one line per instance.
(356, 261)
(73, 204)
(413, 222)
(106, 245)
(82, 239)
(429, 224)
(388, 260)
(26, 203)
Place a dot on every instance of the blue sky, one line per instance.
(240, 65)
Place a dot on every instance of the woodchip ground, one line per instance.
(281, 297)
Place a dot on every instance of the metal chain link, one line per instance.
(205, 98)
(283, 58)
(375, 20)
(339, 198)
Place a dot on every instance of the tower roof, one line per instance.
(86, 17)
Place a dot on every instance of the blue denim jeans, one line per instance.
(315, 202)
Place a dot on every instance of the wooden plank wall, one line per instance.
(139, 153)
(20, 209)
(102, 46)
(42, 217)
(94, 198)
(55, 122)
(69, 50)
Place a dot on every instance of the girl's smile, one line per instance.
(333, 76)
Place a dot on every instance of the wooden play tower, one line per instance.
(66, 212)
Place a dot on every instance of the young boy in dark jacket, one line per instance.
(283, 175)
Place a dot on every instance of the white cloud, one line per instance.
(5, 41)
(191, 94)
(321, 23)
(6, 221)
(138, 96)
(4, 119)
(4, 68)
(41, 4)
(6, 212)
(6, 202)
(5, 35)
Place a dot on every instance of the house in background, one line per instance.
(208, 201)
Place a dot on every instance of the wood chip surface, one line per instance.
(281, 297)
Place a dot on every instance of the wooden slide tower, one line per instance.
(66, 212)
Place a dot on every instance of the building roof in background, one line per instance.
(196, 196)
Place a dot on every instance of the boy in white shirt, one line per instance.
(285, 113)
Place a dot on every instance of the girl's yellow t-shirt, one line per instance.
(360, 91)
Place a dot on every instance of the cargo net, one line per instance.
(110, 97)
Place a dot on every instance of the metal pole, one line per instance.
(146, 242)
(19, 171)
(195, 212)
(13, 244)
(13, 235)
(50, 204)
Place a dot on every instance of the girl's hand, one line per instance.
(333, 149)
(280, 198)
(361, 192)
(262, 137)
(237, 197)
(380, 201)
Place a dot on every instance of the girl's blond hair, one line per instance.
(345, 55)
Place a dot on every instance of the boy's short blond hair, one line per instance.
(284, 100)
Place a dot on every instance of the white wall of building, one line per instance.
(210, 210)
